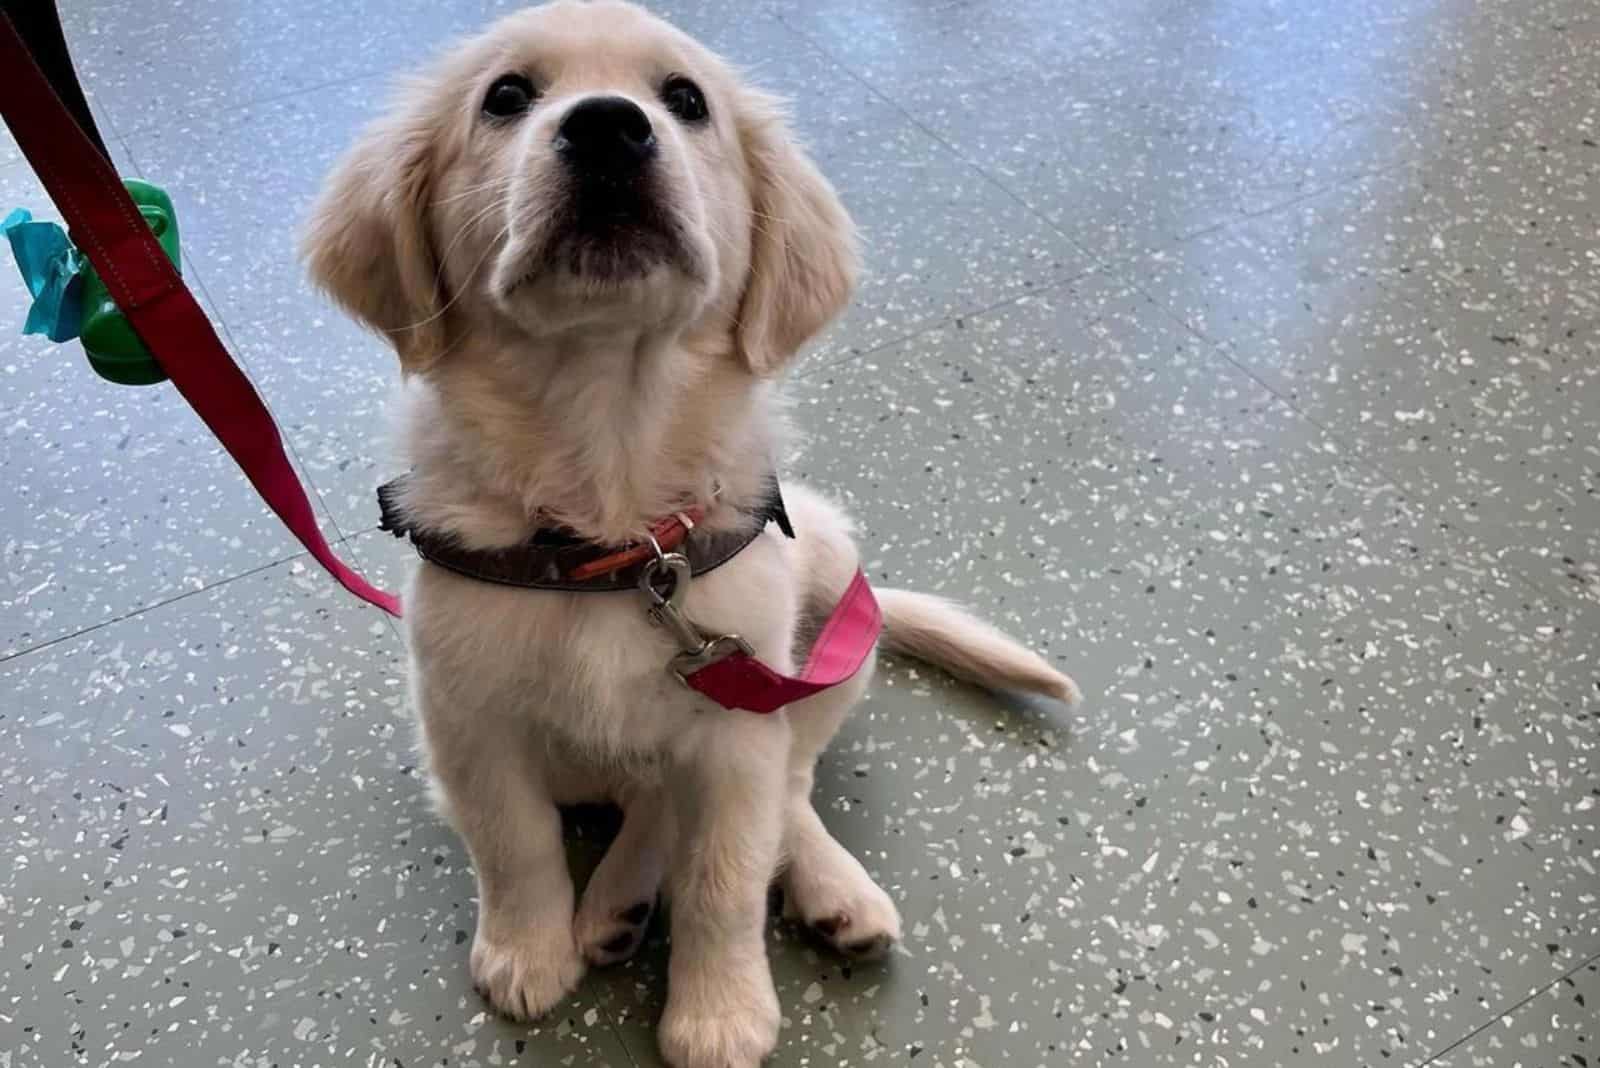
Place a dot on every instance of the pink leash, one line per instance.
(739, 680)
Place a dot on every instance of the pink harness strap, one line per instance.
(739, 680)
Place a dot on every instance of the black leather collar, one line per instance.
(544, 561)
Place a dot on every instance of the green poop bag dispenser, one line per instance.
(114, 350)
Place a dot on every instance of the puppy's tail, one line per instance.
(943, 634)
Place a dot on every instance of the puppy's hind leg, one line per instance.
(825, 888)
(622, 892)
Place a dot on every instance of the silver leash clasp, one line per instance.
(665, 583)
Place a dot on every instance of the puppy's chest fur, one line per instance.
(590, 667)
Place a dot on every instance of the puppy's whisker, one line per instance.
(466, 228)
(498, 184)
(715, 228)
(756, 213)
(489, 250)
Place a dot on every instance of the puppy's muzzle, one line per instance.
(618, 215)
(606, 138)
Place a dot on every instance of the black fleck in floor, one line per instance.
(1243, 355)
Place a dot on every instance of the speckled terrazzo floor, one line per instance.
(1243, 355)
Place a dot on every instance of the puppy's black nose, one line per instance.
(606, 133)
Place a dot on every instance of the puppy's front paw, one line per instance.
(728, 1024)
(527, 976)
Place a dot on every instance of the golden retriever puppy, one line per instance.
(593, 249)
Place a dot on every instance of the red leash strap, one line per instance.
(108, 229)
(739, 680)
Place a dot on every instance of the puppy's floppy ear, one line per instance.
(803, 260)
(367, 242)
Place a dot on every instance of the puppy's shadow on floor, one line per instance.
(910, 699)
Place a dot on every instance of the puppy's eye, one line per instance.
(510, 95)
(684, 99)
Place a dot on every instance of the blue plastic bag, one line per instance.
(52, 270)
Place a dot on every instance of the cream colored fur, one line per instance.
(538, 394)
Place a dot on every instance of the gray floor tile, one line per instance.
(1488, 63)
(1274, 782)
(900, 43)
(113, 497)
(1439, 320)
(1556, 1029)
(1166, 119)
(1099, 170)
(728, 26)
(1090, 380)
(1132, 154)
(41, 749)
(938, 237)
(238, 863)
(150, 66)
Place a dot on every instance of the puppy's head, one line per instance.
(582, 167)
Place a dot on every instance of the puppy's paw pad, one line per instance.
(869, 941)
(614, 938)
(830, 926)
(873, 947)
(526, 978)
(845, 908)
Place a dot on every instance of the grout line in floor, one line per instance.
(1100, 260)
(214, 584)
(207, 587)
(363, 566)
(1520, 1003)
(1095, 259)
(204, 113)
